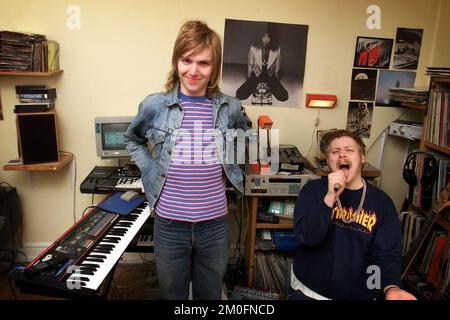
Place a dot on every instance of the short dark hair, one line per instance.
(331, 135)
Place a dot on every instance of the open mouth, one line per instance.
(344, 166)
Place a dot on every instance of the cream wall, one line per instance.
(122, 52)
(441, 50)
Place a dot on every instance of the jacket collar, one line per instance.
(172, 99)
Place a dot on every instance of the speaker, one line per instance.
(10, 217)
(429, 169)
(38, 138)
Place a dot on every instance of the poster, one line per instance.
(363, 84)
(359, 118)
(373, 52)
(407, 48)
(264, 62)
(392, 79)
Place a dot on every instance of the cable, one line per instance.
(11, 287)
(88, 207)
(381, 132)
(97, 181)
(74, 185)
(144, 259)
(316, 124)
(237, 248)
(116, 290)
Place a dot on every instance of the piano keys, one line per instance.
(125, 184)
(90, 272)
(92, 248)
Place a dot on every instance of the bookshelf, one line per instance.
(31, 74)
(254, 225)
(65, 159)
(419, 267)
(412, 105)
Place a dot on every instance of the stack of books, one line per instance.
(34, 98)
(414, 95)
(438, 71)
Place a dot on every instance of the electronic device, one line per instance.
(427, 178)
(109, 136)
(244, 293)
(79, 260)
(291, 160)
(278, 184)
(105, 179)
(38, 139)
(429, 172)
(406, 129)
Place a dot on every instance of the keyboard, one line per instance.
(92, 270)
(125, 184)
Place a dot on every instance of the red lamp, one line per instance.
(314, 100)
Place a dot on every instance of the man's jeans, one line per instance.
(187, 251)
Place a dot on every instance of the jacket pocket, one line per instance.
(156, 136)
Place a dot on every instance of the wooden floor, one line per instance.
(130, 282)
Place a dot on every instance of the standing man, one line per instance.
(178, 141)
(349, 231)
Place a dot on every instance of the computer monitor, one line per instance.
(109, 136)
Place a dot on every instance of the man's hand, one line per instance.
(395, 293)
(334, 178)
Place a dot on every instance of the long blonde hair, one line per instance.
(195, 36)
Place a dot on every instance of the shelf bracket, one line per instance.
(381, 152)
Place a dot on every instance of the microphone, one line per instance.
(336, 187)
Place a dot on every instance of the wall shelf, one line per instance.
(33, 74)
(65, 159)
(412, 105)
(436, 147)
(274, 226)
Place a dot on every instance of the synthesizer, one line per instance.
(106, 179)
(79, 261)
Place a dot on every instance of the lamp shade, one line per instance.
(314, 100)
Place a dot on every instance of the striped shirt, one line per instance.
(194, 189)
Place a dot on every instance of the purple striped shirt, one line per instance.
(194, 189)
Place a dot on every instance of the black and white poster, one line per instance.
(364, 83)
(407, 48)
(359, 118)
(264, 62)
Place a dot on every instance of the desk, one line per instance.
(368, 171)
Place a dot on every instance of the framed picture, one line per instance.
(392, 79)
(363, 84)
(359, 118)
(407, 48)
(373, 52)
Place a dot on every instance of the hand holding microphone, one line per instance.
(336, 181)
(336, 187)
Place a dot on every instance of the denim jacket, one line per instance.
(151, 137)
